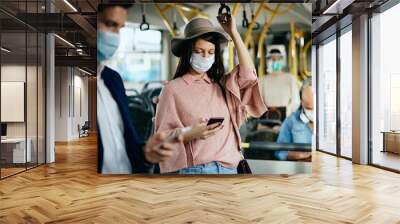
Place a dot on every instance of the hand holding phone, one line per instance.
(215, 120)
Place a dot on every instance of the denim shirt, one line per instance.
(294, 130)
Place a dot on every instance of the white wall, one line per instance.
(80, 112)
(71, 94)
(17, 73)
(33, 126)
(12, 73)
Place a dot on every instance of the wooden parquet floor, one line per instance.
(70, 191)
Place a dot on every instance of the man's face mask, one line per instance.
(307, 116)
(107, 44)
(275, 66)
(201, 64)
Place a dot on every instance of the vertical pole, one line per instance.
(338, 95)
(50, 93)
(26, 87)
(360, 90)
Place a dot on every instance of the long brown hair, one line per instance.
(217, 70)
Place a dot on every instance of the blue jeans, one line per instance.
(208, 168)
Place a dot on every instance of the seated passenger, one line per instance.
(199, 91)
(280, 90)
(298, 127)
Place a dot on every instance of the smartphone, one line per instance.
(214, 120)
(190, 132)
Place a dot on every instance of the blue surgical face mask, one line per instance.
(107, 44)
(275, 66)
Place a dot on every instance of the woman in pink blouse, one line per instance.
(201, 90)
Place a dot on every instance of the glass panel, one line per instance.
(23, 88)
(77, 102)
(13, 87)
(32, 98)
(385, 86)
(327, 96)
(41, 99)
(32, 87)
(346, 94)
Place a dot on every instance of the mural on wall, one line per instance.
(179, 111)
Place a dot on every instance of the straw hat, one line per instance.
(196, 28)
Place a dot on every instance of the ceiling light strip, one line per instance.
(64, 40)
(84, 71)
(331, 6)
(70, 5)
(5, 50)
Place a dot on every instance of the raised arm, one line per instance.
(245, 61)
(242, 82)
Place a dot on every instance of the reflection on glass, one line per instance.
(22, 91)
(394, 102)
(14, 153)
(327, 96)
(31, 101)
(346, 94)
(385, 86)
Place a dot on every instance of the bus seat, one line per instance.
(142, 112)
(264, 135)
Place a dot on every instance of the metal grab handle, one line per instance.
(174, 26)
(144, 25)
(245, 21)
(256, 25)
(221, 12)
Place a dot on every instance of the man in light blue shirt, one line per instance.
(298, 127)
